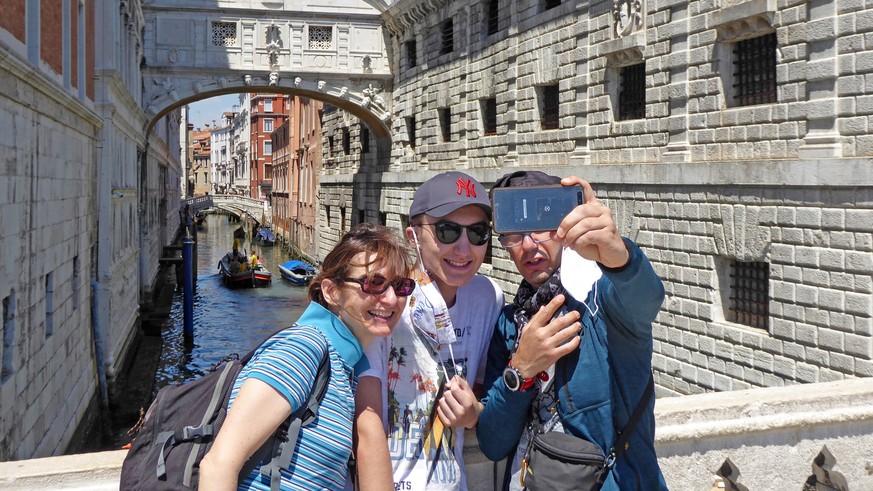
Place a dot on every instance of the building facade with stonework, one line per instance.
(732, 140)
(88, 201)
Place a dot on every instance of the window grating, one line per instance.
(224, 34)
(320, 37)
(445, 116)
(489, 116)
(755, 70)
(492, 16)
(347, 141)
(411, 57)
(550, 104)
(330, 145)
(632, 94)
(448, 37)
(749, 298)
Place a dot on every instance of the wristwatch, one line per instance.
(514, 381)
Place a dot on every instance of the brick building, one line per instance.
(296, 167)
(267, 112)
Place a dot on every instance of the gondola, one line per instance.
(239, 275)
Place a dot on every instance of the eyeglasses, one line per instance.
(509, 241)
(378, 284)
(449, 232)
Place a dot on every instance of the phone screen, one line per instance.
(533, 209)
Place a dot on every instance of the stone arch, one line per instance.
(364, 99)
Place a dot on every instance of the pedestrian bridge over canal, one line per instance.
(229, 203)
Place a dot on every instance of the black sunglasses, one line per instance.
(378, 284)
(449, 232)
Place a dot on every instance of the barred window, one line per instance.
(365, 139)
(489, 116)
(347, 142)
(320, 37)
(411, 57)
(755, 70)
(549, 102)
(445, 117)
(749, 294)
(330, 145)
(410, 130)
(448, 37)
(632, 92)
(224, 34)
(492, 13)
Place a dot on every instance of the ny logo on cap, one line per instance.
(466, 186)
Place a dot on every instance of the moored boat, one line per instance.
(265, 236)
(297, 272)
(238, 274)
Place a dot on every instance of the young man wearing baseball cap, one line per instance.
(426, 369)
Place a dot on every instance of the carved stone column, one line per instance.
(823, 134)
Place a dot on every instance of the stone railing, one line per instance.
(793, 437)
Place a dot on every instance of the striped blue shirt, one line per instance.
(288, 362)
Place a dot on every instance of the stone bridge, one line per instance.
(230, 203)
(336, 52)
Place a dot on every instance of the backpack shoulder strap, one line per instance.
(286, 437)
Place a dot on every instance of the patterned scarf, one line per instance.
(528, 301)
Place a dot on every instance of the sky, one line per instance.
(207, 110)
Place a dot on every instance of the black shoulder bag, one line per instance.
(557, 461)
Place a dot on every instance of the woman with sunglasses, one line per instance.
(357, 296)
(435, 354)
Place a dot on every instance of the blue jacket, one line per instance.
(598, 385)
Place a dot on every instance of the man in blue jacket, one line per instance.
(585, 370)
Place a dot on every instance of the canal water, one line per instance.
(225, 321)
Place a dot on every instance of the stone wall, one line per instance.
(700, 181)
(48, 228)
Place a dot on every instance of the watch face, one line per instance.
(511, 379)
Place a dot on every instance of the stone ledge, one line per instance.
(92, 471)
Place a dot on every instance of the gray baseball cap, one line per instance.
(447, 192)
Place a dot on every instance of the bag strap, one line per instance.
(622, 443)
(285, 438)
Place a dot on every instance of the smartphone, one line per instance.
(533, 209)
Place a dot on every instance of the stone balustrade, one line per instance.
(794, 437)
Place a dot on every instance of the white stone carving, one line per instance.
(274, 42)
(274, 78)
(321, 84)
(627, 16)
(297, 81)
(247, 79)
(372, 99)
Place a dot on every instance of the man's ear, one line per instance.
(410, 234)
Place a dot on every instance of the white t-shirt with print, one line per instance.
(412, 369)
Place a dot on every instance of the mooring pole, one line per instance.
(188, 284)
